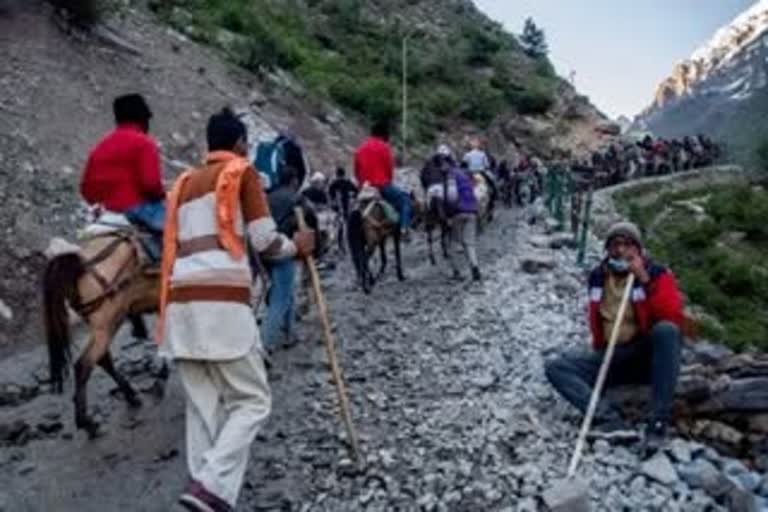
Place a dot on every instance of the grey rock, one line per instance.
(680, 450)
(739, 500)
(660, 469)
(5, 311)
(527, 505)
(601, 447)
(762, 489)
(638, 484)
(535, 262)
(700, 474)
(26, 469)
(560, 240)
(749, 481)
(567, 496)
(710, 353)
(733, 467)
(540, 241)
(485, 381)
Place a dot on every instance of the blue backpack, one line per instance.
(273, 156)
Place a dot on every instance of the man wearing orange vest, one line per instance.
(205, 305)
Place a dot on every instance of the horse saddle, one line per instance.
(370, 197)
(103, 223)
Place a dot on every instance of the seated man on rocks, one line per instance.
(648, 345)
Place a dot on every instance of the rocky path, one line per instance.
(447, 392)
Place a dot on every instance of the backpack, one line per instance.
(272, 156)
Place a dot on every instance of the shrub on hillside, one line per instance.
(532, 101)
(482, 45)
(762, 155)
(373, 97)
(481, 102)
(720, 261)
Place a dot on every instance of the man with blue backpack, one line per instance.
(272, 157)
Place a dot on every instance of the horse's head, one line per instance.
(315, 223)
(420, 210)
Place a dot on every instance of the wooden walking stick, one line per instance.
(330, 346)
(601, 376)
(569, 494)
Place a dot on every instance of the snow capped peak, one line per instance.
(728, 40)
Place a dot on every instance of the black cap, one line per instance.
(131, 108)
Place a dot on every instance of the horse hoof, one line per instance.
(91, 427)
(133, 400)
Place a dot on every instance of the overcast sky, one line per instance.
(619, 49)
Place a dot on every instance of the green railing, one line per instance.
(561, 191)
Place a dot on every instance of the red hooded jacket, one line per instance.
(374, 163)
(123, 170)
(658, 300)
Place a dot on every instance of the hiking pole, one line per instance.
(601, 376)
(330, 346)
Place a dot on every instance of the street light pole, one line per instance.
(404, 133)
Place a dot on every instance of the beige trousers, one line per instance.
(464, 232)
(227, 403)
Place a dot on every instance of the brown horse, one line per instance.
(435, 217)
(104, 282)
(369, 227)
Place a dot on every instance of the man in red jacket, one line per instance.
(649, 341)
(123, 170)
(375, 165)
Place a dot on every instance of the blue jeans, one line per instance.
(401, 201)
(150, 215)
(652, 359)
(280, 311)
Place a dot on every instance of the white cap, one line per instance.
(318, 176)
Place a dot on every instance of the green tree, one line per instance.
(534, 40)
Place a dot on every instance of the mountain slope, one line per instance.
(464, 71)
(57, 87)
(722, 89)
(55, 102)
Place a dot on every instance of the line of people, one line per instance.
(650, 156)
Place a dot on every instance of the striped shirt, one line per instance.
(209, 314)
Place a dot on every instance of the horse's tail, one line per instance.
(59, 286)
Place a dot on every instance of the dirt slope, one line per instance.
(55, 102)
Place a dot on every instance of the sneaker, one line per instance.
(613, 431)
(457, 276)
(476, 274)
(199, 499)
(405, 235)
(655, 438)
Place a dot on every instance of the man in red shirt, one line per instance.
(649, 342)
(375, 165)
(123, 170)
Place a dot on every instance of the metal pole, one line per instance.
(585, 228)
(405, 98)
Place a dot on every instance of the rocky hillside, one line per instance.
(721, 89)
(313, 71)
(56, 92)
(464, 72)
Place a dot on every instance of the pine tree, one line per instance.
(534, 40)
